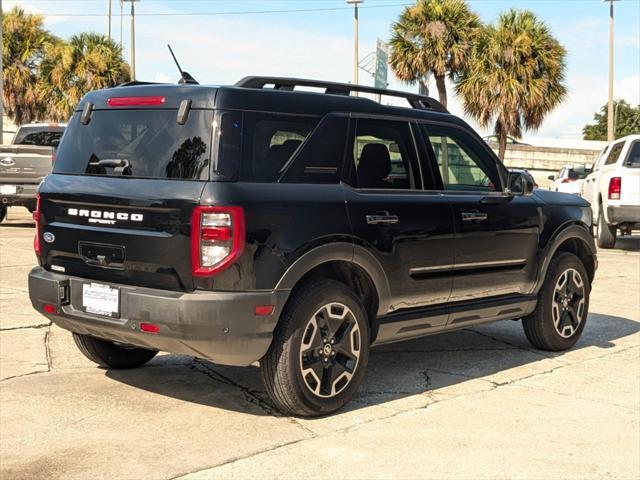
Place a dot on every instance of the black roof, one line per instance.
(250, 94)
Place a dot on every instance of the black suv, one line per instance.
(294, 228)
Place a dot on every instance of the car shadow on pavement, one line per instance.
(395, 371)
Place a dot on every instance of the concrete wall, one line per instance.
(545, 161)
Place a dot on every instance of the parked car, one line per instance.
(25, 162)
(613, 188)
(297, 229)
(510, 140)
(569, 179)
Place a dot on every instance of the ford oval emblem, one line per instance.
(49, 237)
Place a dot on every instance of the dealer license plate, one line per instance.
(8, 189)
(101, 300)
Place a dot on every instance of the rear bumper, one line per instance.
(25, 196)
(624, 214)
(219, 326)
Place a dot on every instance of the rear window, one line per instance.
(633, 158)
(578, 174)
(47, 137)
(138, 143)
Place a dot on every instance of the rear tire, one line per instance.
(319, 352)
(563, 305)
(3, 213)
(109, 355)
(605, 235)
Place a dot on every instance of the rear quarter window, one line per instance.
(270, 140)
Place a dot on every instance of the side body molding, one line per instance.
(340, 251)
(563, 233)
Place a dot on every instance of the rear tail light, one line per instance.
(217, 238)
(36, 217)
(615, 187)
(568, 180)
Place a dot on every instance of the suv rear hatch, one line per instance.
(127, 176)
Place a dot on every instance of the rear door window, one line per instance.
(140, 143)
(384, 156)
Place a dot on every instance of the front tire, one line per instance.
(319, 352)
(605, 235)
(109, 355)
(3, 212)
(563, 305)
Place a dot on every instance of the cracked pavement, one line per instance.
(477, 403)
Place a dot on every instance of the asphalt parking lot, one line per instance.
(478, 403)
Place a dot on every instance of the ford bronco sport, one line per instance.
(264, 223)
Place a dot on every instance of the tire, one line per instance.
(312, 316)
(605, 235)
(109, 355)
(3, 213)
(550, 326)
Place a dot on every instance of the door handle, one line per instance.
(474, 216)
(382, 218)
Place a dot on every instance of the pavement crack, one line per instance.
(24, 375)
(513, 345)
(242, 457)
(25, 327)
(249, 395)
(47, 348)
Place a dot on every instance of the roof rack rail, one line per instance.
(334, 88)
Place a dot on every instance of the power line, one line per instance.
(238, 12)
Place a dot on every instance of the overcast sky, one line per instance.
(220, 41)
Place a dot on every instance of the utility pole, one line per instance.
(610, 113)
(355, 4)
(121, 17)
(133, 38)
(109, 21)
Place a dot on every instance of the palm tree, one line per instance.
(24, 43)
(433, 37)
(515, 76)
(89, 61)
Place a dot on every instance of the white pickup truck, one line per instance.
(613, 188)
(25, 162)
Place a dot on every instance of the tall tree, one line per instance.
(88, 61)
(627, 122)
(433, 37)
(24, 43)
(515, 76)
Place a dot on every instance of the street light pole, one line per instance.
(355, 4)
(109, 22)
(610, 113)
(133, 38)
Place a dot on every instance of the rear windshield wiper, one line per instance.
(119, 165)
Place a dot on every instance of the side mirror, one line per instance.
(521, 183)
(551, 177)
